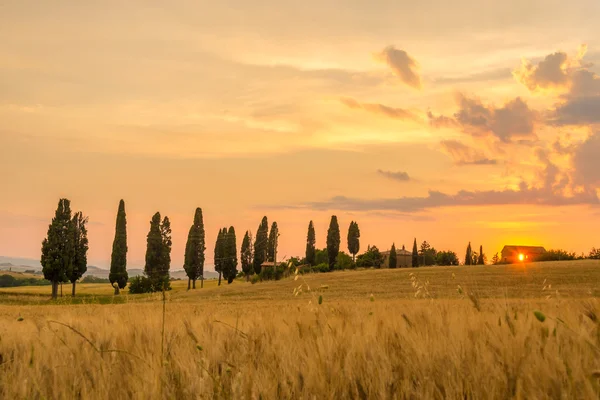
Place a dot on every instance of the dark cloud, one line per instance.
(465, 155)
(391, 112)
(436, 199)
(514, 120)
(586, 161)
(403, 65)
(395, 175)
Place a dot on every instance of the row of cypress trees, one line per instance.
(333, 242)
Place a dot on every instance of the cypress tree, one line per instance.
(118, 261)
(58, 247)
(333, 241)
(260, 245)
(165, 266)
(230, 250)
(80, 249)
(393, 257)
(415, 255)
(310, 245)
(272, 242)
(468, 255)
(246, 255)
(220, 252)
(194, 250)
(158, 253)
(480, 260)
(353, 239)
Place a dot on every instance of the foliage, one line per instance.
(310, 245)
(94, 279)
(80, 248)
(158, 252)
(333, 241)
(343, 261)
(140, 284)
(371, 258)
(274, 273)
(556, 255)
(321, 257)
(58, 247)
(469, 255)
(393, 261)
(260, 244)
(427, 254)
(594, 254)
(353, 239)
(230, 253)
(194, 249)
(118, 261)
(220, 252)
(11, 281)
(496, 259)
(415, 255)
(272, 242)
(481, 259)
(246, 254)
(446, 258)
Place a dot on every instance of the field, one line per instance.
(457, 332)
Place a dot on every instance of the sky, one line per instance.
(470, 121)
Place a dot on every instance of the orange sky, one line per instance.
(449, 122)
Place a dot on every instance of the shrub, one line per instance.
(555, 255)
(255, 279)
(94, 279)
(143, 284)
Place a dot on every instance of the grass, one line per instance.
(504, 334)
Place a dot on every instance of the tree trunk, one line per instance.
(73, 291)
(247, 277)
(202, 282)
(61, 289)
(54, 290)
(117, 289)
(219, 279)
(189, 282)
(194, 284)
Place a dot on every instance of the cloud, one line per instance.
(465, 155)
(395, 175)
(513, 120)
(549, 73)
(586, 161)
(391, 112)
(403, 65)
(435, 199)
(580, 87)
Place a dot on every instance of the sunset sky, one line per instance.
(450, 122)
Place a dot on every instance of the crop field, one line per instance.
(522, 331)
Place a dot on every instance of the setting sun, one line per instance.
(521, 257)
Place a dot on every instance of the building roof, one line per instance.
(399, 252)
(524, 249)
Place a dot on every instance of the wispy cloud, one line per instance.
(400, 176)
(465, 155)
(403, 65)
(381, 109)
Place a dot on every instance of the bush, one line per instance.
(555, 255)
(94, 279)
(371, 258)
(343, 261)
(255, 279)
(11, 281)
(446, 258)
(143, 284)
(273, 273)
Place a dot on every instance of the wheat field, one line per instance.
(439, 333)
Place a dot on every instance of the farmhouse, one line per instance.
(515, 254)
(403, 257)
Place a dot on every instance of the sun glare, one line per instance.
(521, 257)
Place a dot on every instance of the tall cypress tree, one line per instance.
(165, 266)
(158, 253)
(118, 261)
(468, 255)
(393, 257)
(260, 244)
(58, 247)
(333, 241)
(311, 252)
(230, 267)
(220, 253)
(353, 239)
(246, 255)
(481, 260)
(194, 250)
(272, 242)
(80, 249)
(415, 255)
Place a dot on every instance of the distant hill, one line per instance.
(16, 264)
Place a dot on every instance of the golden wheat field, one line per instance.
(439, 333)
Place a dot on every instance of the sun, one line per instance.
(521, 257)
